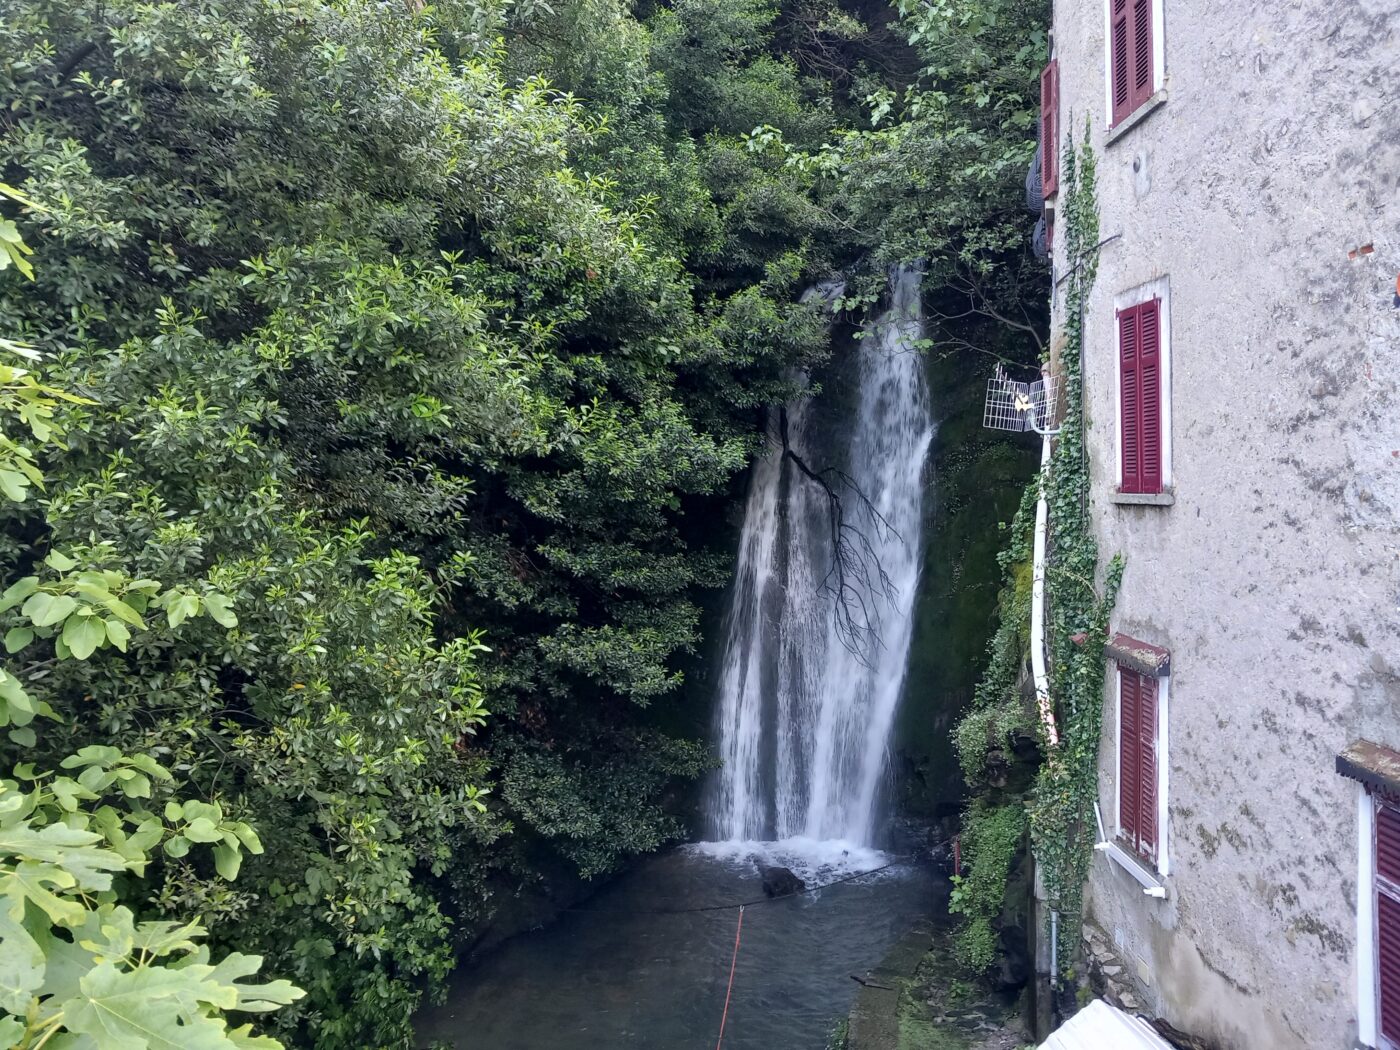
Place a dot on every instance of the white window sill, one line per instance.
(1151, 882)
(1165, 498)
(1136, 117)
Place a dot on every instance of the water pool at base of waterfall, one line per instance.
(630, 968)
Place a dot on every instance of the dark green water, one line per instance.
(618, 974)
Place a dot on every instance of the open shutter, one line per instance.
(1149, 369)
(1129, 757)
(1388, 920)
(1130, 407)
(1049, 129)
(1120, 76)
(1142, 53)
(1147, 766)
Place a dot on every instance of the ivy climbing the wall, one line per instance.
(1062, 799)
(1062, 817)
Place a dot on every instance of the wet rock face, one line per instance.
(779, 881)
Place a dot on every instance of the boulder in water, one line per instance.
(779, 881)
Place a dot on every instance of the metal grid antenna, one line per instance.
(1019, 407)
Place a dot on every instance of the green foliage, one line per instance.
(375, 337)
(1062, 820)
(998, 709)
(74, 961)
(992, 835)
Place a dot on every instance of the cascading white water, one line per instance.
(805, 711)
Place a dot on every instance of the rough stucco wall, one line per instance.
(1273, 578)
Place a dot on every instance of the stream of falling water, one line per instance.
(807, 696)
(804, 727)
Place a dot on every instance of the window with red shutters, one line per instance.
(1050, 129)
(1130, 56)
(1137, 761)
(1140, 396)
(1387, 854)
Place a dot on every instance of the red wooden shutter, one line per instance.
(1142, 52)
(1147, 766)
(1150, 396)
(1049, 129)
(1129, 408)
(1388, 920)
(1119, 30)
(1129, 757)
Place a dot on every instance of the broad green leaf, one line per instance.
(77, 852)
(16, 705)
(60, 562)
(218, 607)
(202, 829)
(167, 938)
(23, 737)
(123, 611)
(117, 633)
(12, 1030)
(255, 998)
(227, 861)
(93, 755)
(16, 638)
(21, 965)
(177, 846)
(83, 634)
(181, 609)
(244, 1039)
(14, 485)
(149, 1008)
(45, 609)
(32, 880)
(18, 591)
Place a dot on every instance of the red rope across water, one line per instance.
(730, 990)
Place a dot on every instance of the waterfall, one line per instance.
(807, 697)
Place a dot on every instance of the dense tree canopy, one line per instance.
(413, 349)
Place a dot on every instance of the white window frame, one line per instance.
(1158, 288)
(1159, 63)
(1367, 934)
(1368, 1009)
(1112, 848)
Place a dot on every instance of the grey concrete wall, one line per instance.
(1274, 578)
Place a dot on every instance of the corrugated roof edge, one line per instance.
(1372, 764)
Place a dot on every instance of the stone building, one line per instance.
(1241, 359)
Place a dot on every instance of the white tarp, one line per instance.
(1100, 1026)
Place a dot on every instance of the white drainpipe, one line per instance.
(1038, 670)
